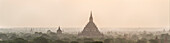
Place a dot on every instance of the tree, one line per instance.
(3, 36)
(12, 36)
(153, 41)
(74, 42)
(20, 40)
(97, 42)
(141, 41)
(40, 40)
(60, 41)
(108, 41)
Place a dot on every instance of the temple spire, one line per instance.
(90, 30)
(91, 17)
(59, 30)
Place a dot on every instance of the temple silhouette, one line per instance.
(90, 30)
(59, 30)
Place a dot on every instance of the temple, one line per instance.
(90, 30)
(59, 30)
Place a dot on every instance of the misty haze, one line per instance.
(84, 21)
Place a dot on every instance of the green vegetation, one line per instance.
(39, 37)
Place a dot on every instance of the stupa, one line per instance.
(90, 30)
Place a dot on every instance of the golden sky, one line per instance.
(75, 13)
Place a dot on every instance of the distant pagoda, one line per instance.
(90, 30)
(59, 30)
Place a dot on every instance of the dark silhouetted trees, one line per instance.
(40, 40)
(20, 40)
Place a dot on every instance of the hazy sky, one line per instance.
(75, 13)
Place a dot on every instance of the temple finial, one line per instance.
(59, 28)
(91, 13)
(91, 17)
